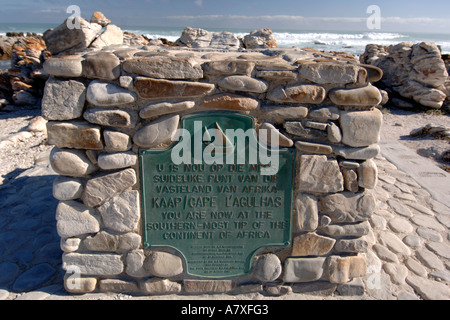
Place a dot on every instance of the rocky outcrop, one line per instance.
(416, 72)
(23, 82)
(199, 38)
(257, 39)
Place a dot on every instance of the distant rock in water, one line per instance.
(412, 71)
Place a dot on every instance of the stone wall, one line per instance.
(104, 105)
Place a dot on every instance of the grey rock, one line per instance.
(441, 275)
(368, 174)
(397, 272)
(334, 134)
(163, 264)
(207, 286)
(70, 244)
(102, 188)
(352, 230)
(112, 35)
(102, 65)
(164, 67)
(352, 288)
(63, 99)
(94, 264)
(384, 254)
(313, 147)
(296, 128)
(267, 268)
(413, 241)
(277, 290)
(428, 222)
(350, 179)
(104, 94)
(272, 137)
(361, 128)
(66, 188)
(117, 285)
(75, 219)
(135, 264)
(157, 133)
(116, 141)
(318, 174)
(228, 67)
(279, 114)
(298, 93)
(303, 269)
(106, 242)
(428, 289)
(120, 160)
(67, 66)
(368, 96)
(62, 38)
(400, 208)
(348, 207)
(112, 117)
(351, 246)
(400, 225)
(306, 213)
(325, 113)
(429, 234)
(243, 84)
(357, 153)
(416, 267)
(163, 108)
(122, 212)
(441, 249)
(429, 259)
(394, 243)
(70, 162)
(332, 73)
(262, 38)
(160, 287)
(74, 134)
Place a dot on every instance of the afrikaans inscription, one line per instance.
(216, 214)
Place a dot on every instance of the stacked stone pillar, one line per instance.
(103, 106)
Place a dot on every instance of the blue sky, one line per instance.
(398, 15)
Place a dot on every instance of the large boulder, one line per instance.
(413, 71)
(63, 38)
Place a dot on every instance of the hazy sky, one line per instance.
(396, 15)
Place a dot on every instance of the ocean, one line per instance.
(347, 41)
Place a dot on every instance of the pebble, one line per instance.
(416, 267)
(400, 225)
(429, 259)
(400, 208)
(429, 234)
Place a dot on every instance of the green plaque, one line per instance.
(217, 195)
